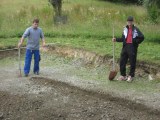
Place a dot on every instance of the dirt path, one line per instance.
(52, 95)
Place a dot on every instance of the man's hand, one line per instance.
(44, 48)
(113, 39)
(19, 44)
(43, 43)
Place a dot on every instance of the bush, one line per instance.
(127, 1)
(153, 8)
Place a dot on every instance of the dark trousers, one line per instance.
(128, 52)
(28, 60)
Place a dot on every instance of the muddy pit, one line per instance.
(62, 92)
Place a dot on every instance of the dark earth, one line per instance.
(64, 102)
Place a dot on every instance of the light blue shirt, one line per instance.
(34, 36)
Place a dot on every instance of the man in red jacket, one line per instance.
(131, 38)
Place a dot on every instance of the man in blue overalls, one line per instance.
(34, 34)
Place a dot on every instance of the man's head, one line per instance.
(35, 23)
(130, 21)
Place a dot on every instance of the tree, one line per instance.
(57, 5)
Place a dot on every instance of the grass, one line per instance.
(84, 17)
(89, 25)
(147, 51)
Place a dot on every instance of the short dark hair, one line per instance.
(130, 18)
(36, 20)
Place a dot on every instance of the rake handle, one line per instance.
(113, 50)
(19, 60)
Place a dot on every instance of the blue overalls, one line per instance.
(28, 60)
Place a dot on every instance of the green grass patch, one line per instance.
(147, 52)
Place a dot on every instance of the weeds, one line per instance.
(85, 19)
(89, 25)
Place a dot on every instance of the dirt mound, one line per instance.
(96, 59)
